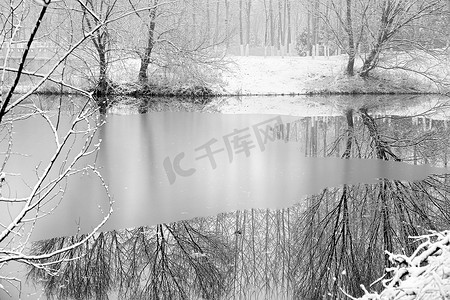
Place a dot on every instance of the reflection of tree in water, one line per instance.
(142, 105)
(170, 261)
(336, 240)
(347, 229)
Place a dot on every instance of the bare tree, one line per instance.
(95, 13)
(351, 40)
(169, 54)
(145, 57)
(280, 35)
(30, 199)
(395, 16)
(248, 9)
(227, 22)
(289, 26)
(272, 29)
(352, 20)
(393, 34)
(266, 28)
(241, 29)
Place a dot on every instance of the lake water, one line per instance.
(272, 190)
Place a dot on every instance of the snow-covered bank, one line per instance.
(271, 75)
(258, 75)
(277, 75)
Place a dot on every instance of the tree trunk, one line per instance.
(216, 32)
(280, 29)
(383, 33)
(227, 22)
(284, 27)
(289, 27)
(315, 26)
(208, 23)
(241, 33)
(370, 61)
(266, 28)
(308, 33)
(247, 45)
(145, 58)
(272, 29)
(100, 39)
(351, 42)
(194, 22)
(102, 88)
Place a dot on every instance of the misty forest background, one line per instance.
(180, 42)
(323, 248)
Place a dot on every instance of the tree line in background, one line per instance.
(185, 39)
(93, 39)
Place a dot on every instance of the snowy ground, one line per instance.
(294, 75)
(279, 75)
(259, 75)
(297, 75)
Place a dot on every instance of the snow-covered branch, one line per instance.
(422, 275)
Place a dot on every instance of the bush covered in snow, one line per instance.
(423, 275)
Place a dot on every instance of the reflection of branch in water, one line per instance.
(363, 221)
(350, 133)
(338, 242)
(170, 261)
(329, 242)
(381, 147)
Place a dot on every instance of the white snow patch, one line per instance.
(423, 275)
(278, 75)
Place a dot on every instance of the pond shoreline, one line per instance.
(265, 76)
(325, 86)
(137, 90)
(213, 95)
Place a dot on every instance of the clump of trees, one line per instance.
(161, 34)
(28, 196)
(105, 37)
(162, 41)
(380, 30)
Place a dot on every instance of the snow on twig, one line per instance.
(423, 275)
